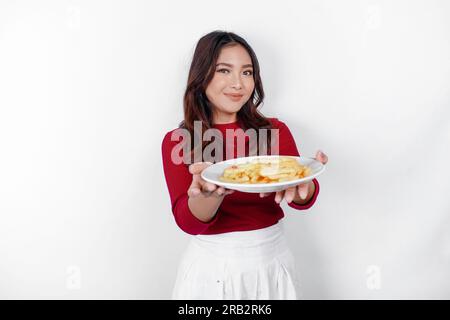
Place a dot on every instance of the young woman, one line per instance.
(238, 249)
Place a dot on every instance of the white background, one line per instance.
(89, 88)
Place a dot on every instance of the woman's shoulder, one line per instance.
(277, 123)
(169, 133)
(172, 137)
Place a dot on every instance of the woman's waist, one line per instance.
(240, 223)
(261, 242)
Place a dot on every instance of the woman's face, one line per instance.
(232, 84)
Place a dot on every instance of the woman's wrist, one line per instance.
(205, 207)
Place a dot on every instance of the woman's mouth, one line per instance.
(234, 97)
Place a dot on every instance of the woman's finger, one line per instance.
(289, 194)
(263, 194)
(302, 190)
(198, 167)
(195, 187)
(279, 196)
(209, 187)
(220, 191)
(193, 192)
(322, 157)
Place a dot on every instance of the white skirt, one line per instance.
(239, 265)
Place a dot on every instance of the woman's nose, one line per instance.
(236, 82)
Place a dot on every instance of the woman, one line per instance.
(238, 250)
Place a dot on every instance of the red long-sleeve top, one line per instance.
(238, 211)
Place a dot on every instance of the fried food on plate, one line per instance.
(265, 170)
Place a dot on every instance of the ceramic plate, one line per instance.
(213, 172)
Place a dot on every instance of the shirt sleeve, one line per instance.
(178, 179)
(288, 147)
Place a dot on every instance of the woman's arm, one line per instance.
(287, 146)
(204, 197)
(194, 209)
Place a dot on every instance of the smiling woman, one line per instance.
(234, 80)
(224, 85)
(238, 249)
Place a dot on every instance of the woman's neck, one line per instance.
(225, 118)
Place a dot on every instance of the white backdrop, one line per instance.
(89, 88)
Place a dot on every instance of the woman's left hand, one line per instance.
(299, 191)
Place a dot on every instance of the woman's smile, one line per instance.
(234, 96)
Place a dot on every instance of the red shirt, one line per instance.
(238, 211)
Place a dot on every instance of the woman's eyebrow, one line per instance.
(231, 66)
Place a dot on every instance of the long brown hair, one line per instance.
(197, 107)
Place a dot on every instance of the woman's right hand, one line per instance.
(200, 186)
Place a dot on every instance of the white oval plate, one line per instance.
(214, 171)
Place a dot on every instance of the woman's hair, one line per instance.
(197, 107)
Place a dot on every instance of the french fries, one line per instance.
(265, 170)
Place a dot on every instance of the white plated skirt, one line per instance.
(240, 265)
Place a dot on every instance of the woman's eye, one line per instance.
(247, 73)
